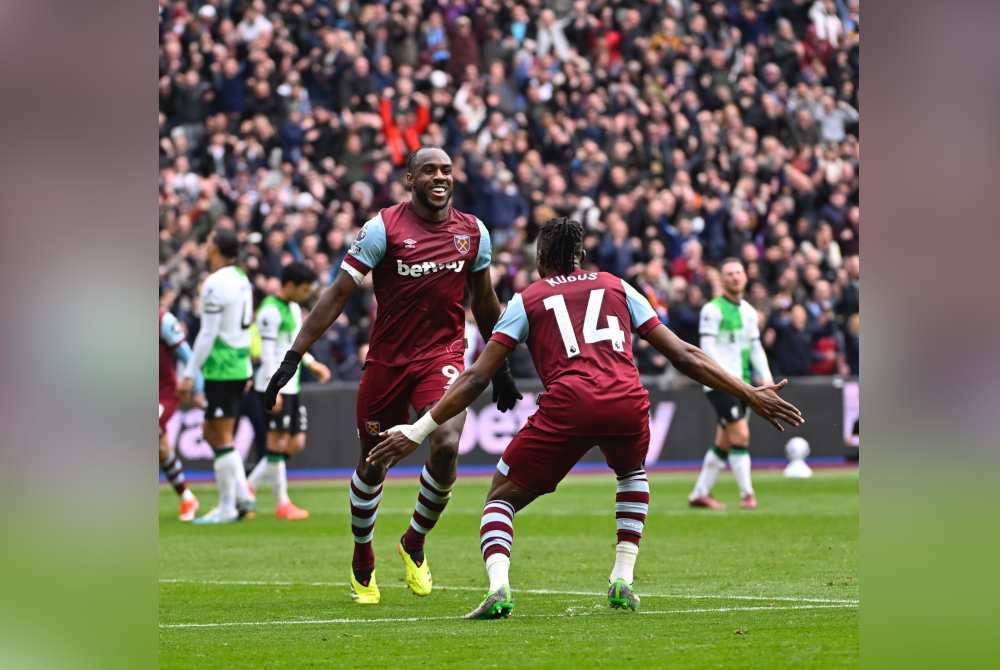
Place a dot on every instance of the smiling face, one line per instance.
(429, 179)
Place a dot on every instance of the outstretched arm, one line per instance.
(401, 441)
(696, 364)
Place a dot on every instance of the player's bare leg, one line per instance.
(436, 480)
(235, 501)
(170, 463)
(738, 438)
(496, 538)
(716, 459)
(631, 507)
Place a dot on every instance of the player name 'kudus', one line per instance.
(566, 279)
(427, 267)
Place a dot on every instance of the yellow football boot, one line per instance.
(418, 577)
(365, 595)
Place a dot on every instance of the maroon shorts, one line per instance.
(537, 460)
(169, 404)
(386, 393)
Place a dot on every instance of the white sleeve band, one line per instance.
(419, 431)
(355, 275)
(308, 359)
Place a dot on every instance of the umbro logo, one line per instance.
(410, 243)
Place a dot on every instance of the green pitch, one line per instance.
(775, 587)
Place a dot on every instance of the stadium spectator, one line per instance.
(790, 343)
(679, 133)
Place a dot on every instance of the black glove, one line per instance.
(505, 393)
(281, 376)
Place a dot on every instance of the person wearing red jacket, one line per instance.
(403, 136)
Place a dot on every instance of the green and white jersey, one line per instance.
(728, 333)
(222, 348)
(278, 323)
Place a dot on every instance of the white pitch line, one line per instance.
(564, 615)
(543, 592)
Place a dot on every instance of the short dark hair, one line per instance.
(227, 242)
(560, 243)
(297, 273)
(413, 155)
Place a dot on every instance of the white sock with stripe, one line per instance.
(365, 499)
(710, 469)
(225, 480)
(739, 461)
(496, 538)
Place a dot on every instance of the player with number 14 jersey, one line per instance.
(578, 327)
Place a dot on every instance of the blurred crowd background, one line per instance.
(679, 132)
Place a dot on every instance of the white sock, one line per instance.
(739, 461)
(279, 480)
(710, 469)
(625, 555)
(239, 476)
(497, 568)
(226, 484)
(258, 474)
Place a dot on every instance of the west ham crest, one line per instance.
(463, 244)
(372, 427)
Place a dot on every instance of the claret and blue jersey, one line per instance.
(578, 328)
(419, 270)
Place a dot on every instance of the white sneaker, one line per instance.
(216, 516)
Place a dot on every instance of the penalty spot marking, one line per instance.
(543, 592)
(347, 620)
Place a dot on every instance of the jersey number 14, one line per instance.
(591, 333)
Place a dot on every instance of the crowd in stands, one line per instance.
(679, 132)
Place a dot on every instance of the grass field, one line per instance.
(776, 587)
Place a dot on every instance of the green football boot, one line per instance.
(620, 596)
(497, 605)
